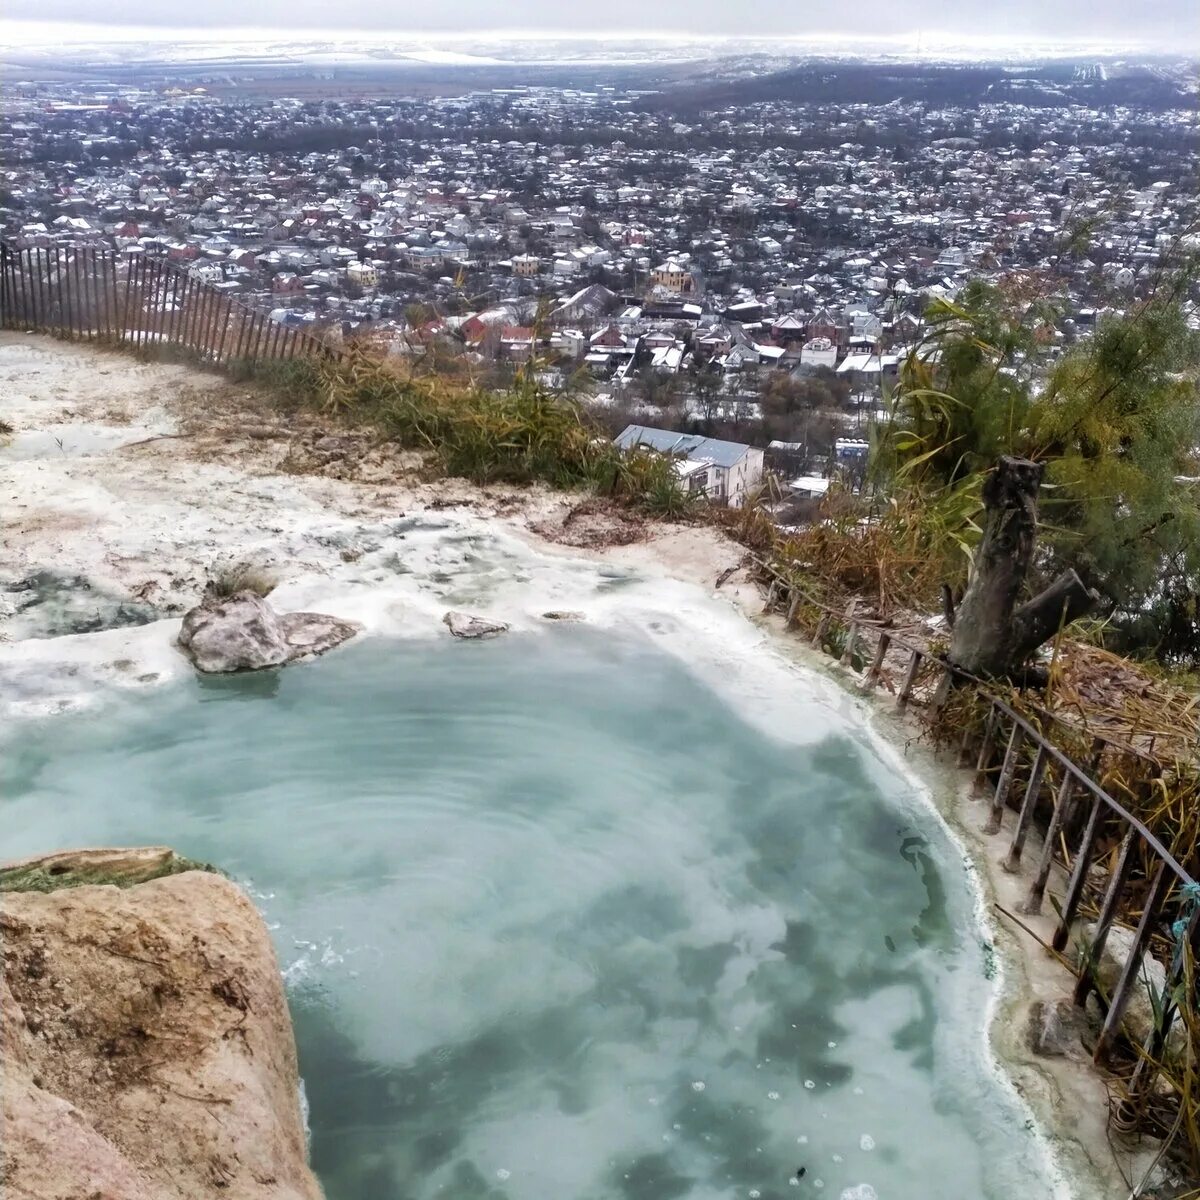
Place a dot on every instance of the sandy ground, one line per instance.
(150, 480)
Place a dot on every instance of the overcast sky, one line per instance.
(1167, 22)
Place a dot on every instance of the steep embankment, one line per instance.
(146, 1045)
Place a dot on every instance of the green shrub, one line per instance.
(522, 434)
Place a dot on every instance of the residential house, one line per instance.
(726, 472)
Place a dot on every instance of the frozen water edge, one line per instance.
(516, 583)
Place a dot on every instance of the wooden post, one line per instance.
(45, 287)
(112, 297)
(1037, 889)
(789, 621)
(851, 643)
(881, 649)
(822, 627)
(1013, 861)
(174, 316)
(1000, 795)
(96, 274)
(70, 297)
(145, 313)
(254, 338)
(21, 261)
(5, 299)
(1108, 914)
(910, 678)
(133, 300)
(224, 316)
(127, 300)
(258, 329)
(851, 633)
(147, 302)
(208, 332)
(985, 746)
(191, 312)
(1159, 886)
(191, 316)
(26, 289)
(83, 287)
(81, 290)
(35, 272)
(162, 311)
(159, 303)
(239, 341)
(1078, 879)
(58, 324)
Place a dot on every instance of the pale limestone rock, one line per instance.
(244, 633)
(463, 625)
(1152, 975)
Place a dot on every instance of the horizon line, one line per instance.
(89, 32)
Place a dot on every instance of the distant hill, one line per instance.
(1040, 85)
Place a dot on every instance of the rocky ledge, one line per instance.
(146, 1052)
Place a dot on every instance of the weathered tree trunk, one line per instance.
(992, 635)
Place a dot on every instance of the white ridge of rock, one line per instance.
(243, 632)
(464, 625)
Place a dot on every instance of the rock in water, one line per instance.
(146, 1051)
(464, 625)
(244, 633)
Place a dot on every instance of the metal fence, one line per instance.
(1084, 827)
(144, 303)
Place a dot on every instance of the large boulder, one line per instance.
(146, 1051)
(243, 632)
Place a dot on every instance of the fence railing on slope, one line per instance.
(1085, 826)
(89, 293)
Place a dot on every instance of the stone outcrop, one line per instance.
(243, 632)
(463, 625)
(146, 1052)
(1058, 1029)
(1152, 976)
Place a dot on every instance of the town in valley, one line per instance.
(729, 264)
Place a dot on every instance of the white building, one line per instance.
(724, 471)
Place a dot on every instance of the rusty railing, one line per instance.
(1084, 827)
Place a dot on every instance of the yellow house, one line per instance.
(673, 276)
(364, 274)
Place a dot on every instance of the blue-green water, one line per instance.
(558, 924)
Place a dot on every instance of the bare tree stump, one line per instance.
(993, 635)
